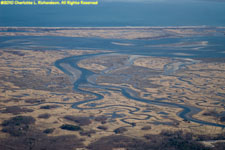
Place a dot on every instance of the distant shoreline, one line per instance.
(114, 27)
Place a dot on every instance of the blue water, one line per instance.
(214, 48)
(139, 13)
(165, 13)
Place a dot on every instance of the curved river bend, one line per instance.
(186, 113)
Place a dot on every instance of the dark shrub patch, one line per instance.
(211, 113)
(164, 141)
(170, 133)
(44, 116)
(16, 130)
(48, 131)
(36, 140)
(70, 127)
(118, 141)
(18, 120)
(17, 126)
(49, 107)
(222, 119)
(146, 128)
(102, 127)
(174, 140)
(87, 133)
(120, 130)
(18, 53)
(82, 121)
(148, 136)
(220, 136)
(33, 101)
(16, 110)
(101, 119)
(219, 146)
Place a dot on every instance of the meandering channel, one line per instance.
(186, 113)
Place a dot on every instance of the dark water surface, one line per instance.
(117, 13)
(214, 47)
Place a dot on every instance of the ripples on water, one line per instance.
(118, 13)
(214, 47)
